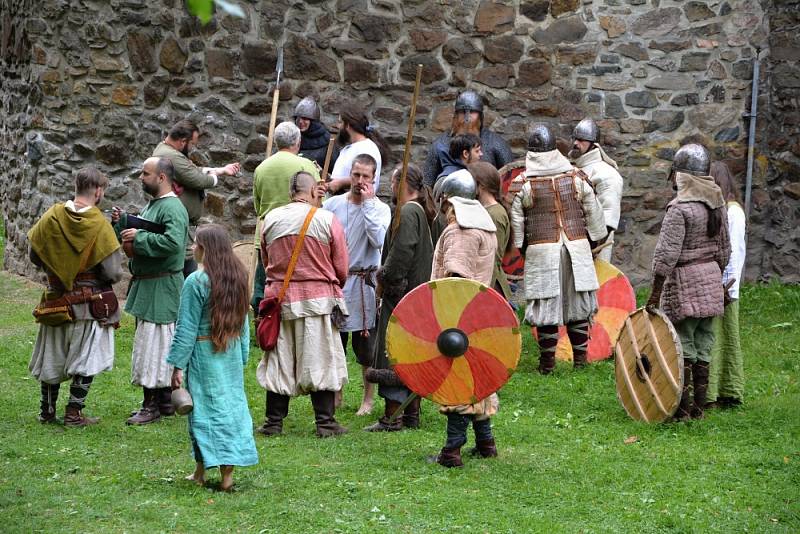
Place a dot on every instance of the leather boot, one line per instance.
(165, 406)
(684, 409)
(74, 417)
(277, 410)
(148, 413)
(324, 404)
(450, 457)
(383, 424)
(411, 414)
(700, 379)
(47, 407)
(484, 449)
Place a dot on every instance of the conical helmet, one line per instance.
(307, 108)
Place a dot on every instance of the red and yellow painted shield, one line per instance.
(615, 301)
(513, 260)
(453, 341)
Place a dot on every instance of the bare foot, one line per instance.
(199, 481)
(338, 399)
(199, 475)
(227, 477)
(365, 408)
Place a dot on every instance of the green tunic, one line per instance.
(220, 426)
(156, 299)
(500, 219)
(191, 177)
(407, 261)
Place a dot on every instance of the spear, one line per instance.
(407, 151)
(272, 116)
(396, 221)
(275, 96)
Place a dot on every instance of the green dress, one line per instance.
(156, 299)
(220, 426)
(407, 261)
(500, 219)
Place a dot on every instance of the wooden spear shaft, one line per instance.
(407, 151)
(324, 176)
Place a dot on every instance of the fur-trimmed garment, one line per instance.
(550, 302)
(602, 172)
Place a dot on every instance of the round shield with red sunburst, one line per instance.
(453, 341)
(615, 301)
(513, 260)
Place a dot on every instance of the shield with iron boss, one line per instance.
(649, 367)
(453, 341)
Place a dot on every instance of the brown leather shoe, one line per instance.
(47, 417)
(146, 415)
(74, 417)
(324, 404)
(484, 449)
(450, 457)
(270, 429)
(383, 424)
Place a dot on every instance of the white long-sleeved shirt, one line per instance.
(736, 229)
(365, 227)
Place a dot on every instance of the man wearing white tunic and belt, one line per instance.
(365, 220)
(553, 211)
(77, 248)
(589, 156)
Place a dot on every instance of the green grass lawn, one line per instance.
(564, 464)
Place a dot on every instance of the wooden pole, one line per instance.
(407, 151)
(324, 176)
(273, 115)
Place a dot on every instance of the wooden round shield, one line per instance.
(649, 367)
(509, 172)
(513, 260)
(615, 301)
(453, 341)
(244, 251)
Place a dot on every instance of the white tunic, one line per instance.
(341, 169)
(736, 231)
(365, 227)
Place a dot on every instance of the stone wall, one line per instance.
(100, 82)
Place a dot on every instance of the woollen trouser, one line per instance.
(457, 425)
(726, 376)
(697, 338)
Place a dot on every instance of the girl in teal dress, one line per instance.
(209, 350)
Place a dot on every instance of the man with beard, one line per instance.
(467, 118)
(407, 262)
(271, 187)
(365, 219)
(356, 136)
(80, 253)
(587, 155)
(191, 181)
(553, 209)
(156, 267)
(314, 136)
